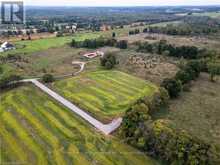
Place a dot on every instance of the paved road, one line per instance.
(105, 128)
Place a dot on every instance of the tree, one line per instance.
(108, 61)
(73, 43)
(113, 35)
(48, 78)
(7, 80)
(213, 69)
(123, 44)
(173, 87)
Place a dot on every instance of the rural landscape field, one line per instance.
(105, 85)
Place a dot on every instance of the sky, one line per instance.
(120, 2)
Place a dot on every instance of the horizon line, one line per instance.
(132, 6)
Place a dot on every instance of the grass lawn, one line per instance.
(36, 130)
(28, 47)
(105, 94)
(198, 111)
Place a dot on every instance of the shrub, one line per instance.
(213, 69)
(108, 61)
(113, 34)
(132, 119)
(173, 87)
(123, 44)
(177, 147)
(183, 76)
(158, 101)
(48, 78)
(9, 80)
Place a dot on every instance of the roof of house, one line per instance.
(6, 45)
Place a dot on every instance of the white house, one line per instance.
(6, 46)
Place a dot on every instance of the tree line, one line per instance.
(159, 138)
(99, 42)
(162, 47)
(189, 26)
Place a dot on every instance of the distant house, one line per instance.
(105, 28)
(6, 46)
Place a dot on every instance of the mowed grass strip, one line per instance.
(71, 140)
(105, 94)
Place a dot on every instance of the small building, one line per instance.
(6, 46)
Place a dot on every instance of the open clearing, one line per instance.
(27, 47)
(105, 94)
(34, 128)
(151, 67)
(198, 111)
(209, 14)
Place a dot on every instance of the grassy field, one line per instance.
(105, 94)
(209, 14)
(163, 24)
(28, 47)
(198, 111)
(36, 130)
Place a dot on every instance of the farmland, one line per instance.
(34, 128)
(105, 94)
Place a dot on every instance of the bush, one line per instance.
(93, 43)
(213, 69)
(123, 44)
(177, 147)
(108, 61)
(183, 76)
(158, 101)
(173, 87)
(132, 119)
(8, 80)
(113, 34)
(48, 78)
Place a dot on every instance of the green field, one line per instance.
(209, 14)
(164, 24)
(197, 111)
(105, 94)
(36, 130)
(27, 47)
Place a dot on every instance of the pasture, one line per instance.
(32, 46)
(36, 130)
(209, 14)
(104, 94)
(197, 111)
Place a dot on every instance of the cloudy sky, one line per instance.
(119, 2)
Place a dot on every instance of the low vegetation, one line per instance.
(162, 47)
(108, 61)
(34, 128)
(159, 139)
(105, 94)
